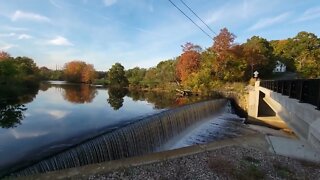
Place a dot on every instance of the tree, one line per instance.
(45, 73)
(300, 53)
(116, 76)
(88, 74)
(259, 56)
(281, 52)
(4, 55)
(189, 61)
(135, 75)
(150, 79)
(79, 72)
(7, 72)
(201, 79)
(306, 53)
(222, 46)
(26, 66)
(223, 42)
(166, 71)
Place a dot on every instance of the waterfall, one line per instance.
(138, 138)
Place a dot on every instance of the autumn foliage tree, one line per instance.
(222, 46)
(4, 55)
(81, 94)
(189, 61)
(79, 72)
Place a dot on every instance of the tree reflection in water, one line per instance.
(12, 105)
(11, 115)
(163, 100)
(116, 97)
(79, 94)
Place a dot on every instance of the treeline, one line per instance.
(195, 68)
(226, 61)
(18, 71)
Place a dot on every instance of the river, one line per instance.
(59, 115)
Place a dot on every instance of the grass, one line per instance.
(251, 172)
(250, 169)
(283, 171)
(247, 171)
(309, 164)
(221, 165)
(251, 159)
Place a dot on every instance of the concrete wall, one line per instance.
(302, 118)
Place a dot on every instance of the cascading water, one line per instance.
(138, 138)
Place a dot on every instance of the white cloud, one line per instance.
(22, 135)
(8, 35)
(109, 2)
(20, 15)
(310, 14)
(232, 14)
(7, 47)
(266, 22)
(60, 41)
(12, 28)
(57, 114)
(24, 36)
(55, 4)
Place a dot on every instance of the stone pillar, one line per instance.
(254, 100)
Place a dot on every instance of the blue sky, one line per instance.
(139, 32)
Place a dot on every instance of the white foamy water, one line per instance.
(223, 125)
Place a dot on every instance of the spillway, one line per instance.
(141, 137)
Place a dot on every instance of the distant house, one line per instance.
(280, 67)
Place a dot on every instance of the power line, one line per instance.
(190, 19)
(198, 17)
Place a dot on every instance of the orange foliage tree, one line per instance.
(223, 47)
(79, 71)
(189, 61)
(4, 55)
(79, 94)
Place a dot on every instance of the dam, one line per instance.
(150, 134)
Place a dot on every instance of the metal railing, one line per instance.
(304, 90)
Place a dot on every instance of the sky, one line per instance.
(140, 32)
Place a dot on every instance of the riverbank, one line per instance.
(266, 154)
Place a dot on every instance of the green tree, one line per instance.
(259, 56)
(300, 53)
(18, 71)
(150, 79)
(282, 53)
(7, 72)
(26, 66)
(163, 75)
(166, 71)
(116, 76)
(306, 52)
(135, 76)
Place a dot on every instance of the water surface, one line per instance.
(58, 115)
